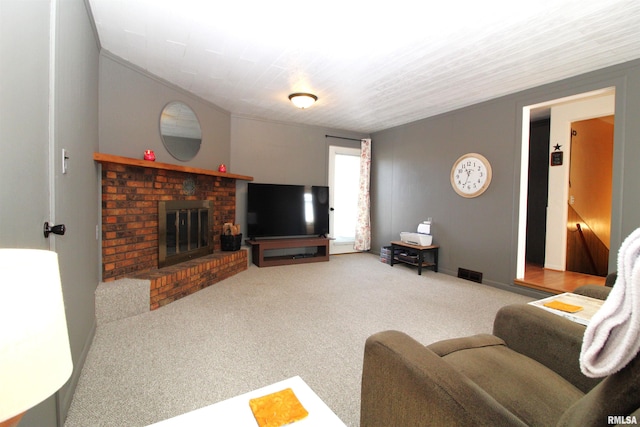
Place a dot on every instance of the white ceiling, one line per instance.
(372, 64)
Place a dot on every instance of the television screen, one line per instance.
(280, 210)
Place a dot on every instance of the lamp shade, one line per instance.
(303, 100)
(35, 358)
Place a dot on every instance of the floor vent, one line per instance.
(474, 276)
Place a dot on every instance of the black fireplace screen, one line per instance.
(184, 229)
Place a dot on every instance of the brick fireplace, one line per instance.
(131, 192)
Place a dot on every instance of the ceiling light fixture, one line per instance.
(303, 100)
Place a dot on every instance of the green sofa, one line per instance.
(526, 373)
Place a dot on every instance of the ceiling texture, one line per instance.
(372, 64)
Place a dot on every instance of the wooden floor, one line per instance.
(555, 281)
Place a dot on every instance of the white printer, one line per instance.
(422, 237)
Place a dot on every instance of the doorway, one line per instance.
(589, 204)
(344, 183)
(562, 112)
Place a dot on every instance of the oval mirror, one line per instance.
(180, 131)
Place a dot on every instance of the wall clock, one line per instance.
(471, 175)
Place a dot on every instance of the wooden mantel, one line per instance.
(109, 158)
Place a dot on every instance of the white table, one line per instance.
(235, 412)
(589, 306)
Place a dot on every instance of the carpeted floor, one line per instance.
(268, 324)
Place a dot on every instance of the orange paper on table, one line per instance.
(277, 409)
(569, 308)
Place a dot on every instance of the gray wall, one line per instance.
(281, 153)
(131, 101)
(412, 164)
(76, 194)
(33, 189)
(24, 164)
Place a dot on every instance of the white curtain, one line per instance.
(363, 224)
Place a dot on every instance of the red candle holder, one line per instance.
(149, 155)
(222, 168)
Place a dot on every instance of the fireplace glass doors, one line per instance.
(184, 228)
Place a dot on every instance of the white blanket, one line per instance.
(612, 338)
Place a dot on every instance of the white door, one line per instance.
(344, 181)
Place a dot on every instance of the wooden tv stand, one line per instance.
(262, 259)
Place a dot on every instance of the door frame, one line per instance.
(557, 211)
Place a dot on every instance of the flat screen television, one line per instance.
(281, 210)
